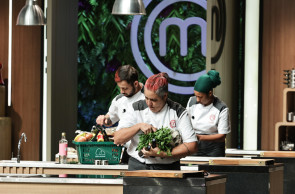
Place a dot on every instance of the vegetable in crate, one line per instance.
(80, 138)
(164, 138)
(89, 136)
(100, 137)
(84, 136)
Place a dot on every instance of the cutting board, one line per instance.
(233, 161)
(163, 173)
(278, 154)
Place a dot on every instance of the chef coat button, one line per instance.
(124, 110)
(193, 117)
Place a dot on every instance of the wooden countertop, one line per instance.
(53, 168)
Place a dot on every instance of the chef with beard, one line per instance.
(131, 90)
(126, 78)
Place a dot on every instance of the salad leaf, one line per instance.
(162, 137)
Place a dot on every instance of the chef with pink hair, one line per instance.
(148, 115)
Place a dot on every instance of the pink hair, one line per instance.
(117, 78)
(157, 81)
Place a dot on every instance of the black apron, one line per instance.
(134, 164)
(210, 148)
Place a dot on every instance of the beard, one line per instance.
(131, 93)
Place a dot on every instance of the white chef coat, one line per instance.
(121, 105)
(172, 115)
(211, 119)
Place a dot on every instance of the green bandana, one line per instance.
(207, 82)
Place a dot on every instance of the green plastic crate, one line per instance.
(88, 152)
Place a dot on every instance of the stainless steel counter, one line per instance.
(28, 176)
(52, 164)
(44, 185)
(52, 168)
(57, 180)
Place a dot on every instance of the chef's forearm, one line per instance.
(215, 137)
(182, 150)
(125, 134)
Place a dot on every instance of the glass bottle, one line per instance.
(63, 146)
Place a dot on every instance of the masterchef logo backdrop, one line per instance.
(164, 42)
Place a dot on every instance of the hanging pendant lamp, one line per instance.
(128, 7)
(31, 15)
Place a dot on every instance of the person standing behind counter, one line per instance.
(126, 78)
(209, 116)
(154, 112)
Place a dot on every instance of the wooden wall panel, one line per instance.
(26, 79)
(5, 147)
(227, 63)
(278, 54)
(26, 91)
(4, 36)
(62, 71)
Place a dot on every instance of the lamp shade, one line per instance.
(128, 7)
(31, 15)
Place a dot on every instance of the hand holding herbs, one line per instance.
(164, 138)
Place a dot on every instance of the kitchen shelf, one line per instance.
(288, 102)
(286, 130)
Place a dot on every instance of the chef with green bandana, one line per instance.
(209, 116)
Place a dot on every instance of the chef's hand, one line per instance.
(199, 137)
(147, 128)
(103, 120)
(153, 152)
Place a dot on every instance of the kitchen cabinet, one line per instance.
(285, 157)
(254, 179)
(159, 181)
(244, 175)
(288, 159)
(285, 130)
(50, 185)
(41, 177)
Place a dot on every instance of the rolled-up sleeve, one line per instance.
(113, 111)
(224, 122)
(128, 120)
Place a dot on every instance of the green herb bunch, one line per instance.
(162, 137)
